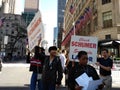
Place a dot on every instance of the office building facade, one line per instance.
(100, 18)
(8, 6)
(60, 19)
(31, 7)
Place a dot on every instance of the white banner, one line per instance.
(83, 43)
(35, 31)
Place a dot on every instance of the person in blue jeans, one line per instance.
(36, 66)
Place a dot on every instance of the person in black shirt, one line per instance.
(105, 64)
(80, 68)
(52, 70)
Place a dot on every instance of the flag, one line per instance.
(82, 21)
(1, 21)
(77, 24)
(86, 17)
(89, 12)
(72, 8)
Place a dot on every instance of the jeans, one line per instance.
(34, 82)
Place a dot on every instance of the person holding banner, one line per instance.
(105, 64)
(36, 66)
(83, 67)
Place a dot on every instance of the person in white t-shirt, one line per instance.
(63, 58)
(63, 62)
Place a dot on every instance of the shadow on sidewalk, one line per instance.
(14, 88)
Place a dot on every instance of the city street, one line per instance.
(17, 77)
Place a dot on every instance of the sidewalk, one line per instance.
(22, 69)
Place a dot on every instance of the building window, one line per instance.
(7, 25)
(12, 40)
(12, 32)
(106, 1)
(108, 37)
(107, 19)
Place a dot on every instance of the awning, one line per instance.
(109, 42)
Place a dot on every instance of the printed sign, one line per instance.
(83, 43)
(34, 31)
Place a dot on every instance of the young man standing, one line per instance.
(52, 70)
(81, 68)
(105, 64)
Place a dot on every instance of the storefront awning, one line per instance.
(110, 42)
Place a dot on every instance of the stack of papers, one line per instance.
(87, 82)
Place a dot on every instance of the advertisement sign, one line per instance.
(34, 31)
(83, 43)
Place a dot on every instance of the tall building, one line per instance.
(14, 28)
(31, 7)
(8, 6)
(55, 36)
(60, 19)
(99, 18)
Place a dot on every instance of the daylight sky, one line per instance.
(49, 16)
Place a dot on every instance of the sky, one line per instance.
(48, 10)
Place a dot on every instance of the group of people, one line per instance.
(76, 69)
(48, 70)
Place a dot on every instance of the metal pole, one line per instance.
(73, 24)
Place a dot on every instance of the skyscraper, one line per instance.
(31, 7)
(8, 6)
(60, 19)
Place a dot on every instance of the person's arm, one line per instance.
(104, 67)
(60, 72)
(39, 41)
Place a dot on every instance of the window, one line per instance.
(107, 19)
(108, 36)
(106, 1)
(12, 40)
(12, 32)
(7, 25)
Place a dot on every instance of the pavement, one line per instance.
(16, 76)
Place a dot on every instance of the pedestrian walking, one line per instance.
(36, 66)
(105, 64)
(80, 68)
(63, 59)
(63, 63)
(52, 70)
(0, 64)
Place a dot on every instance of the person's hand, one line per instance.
(57, 85)
(39, 41)
(100, 87)
(97, 63)
(78, 87)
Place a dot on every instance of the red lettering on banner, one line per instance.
(83, 44)
(76, 50)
